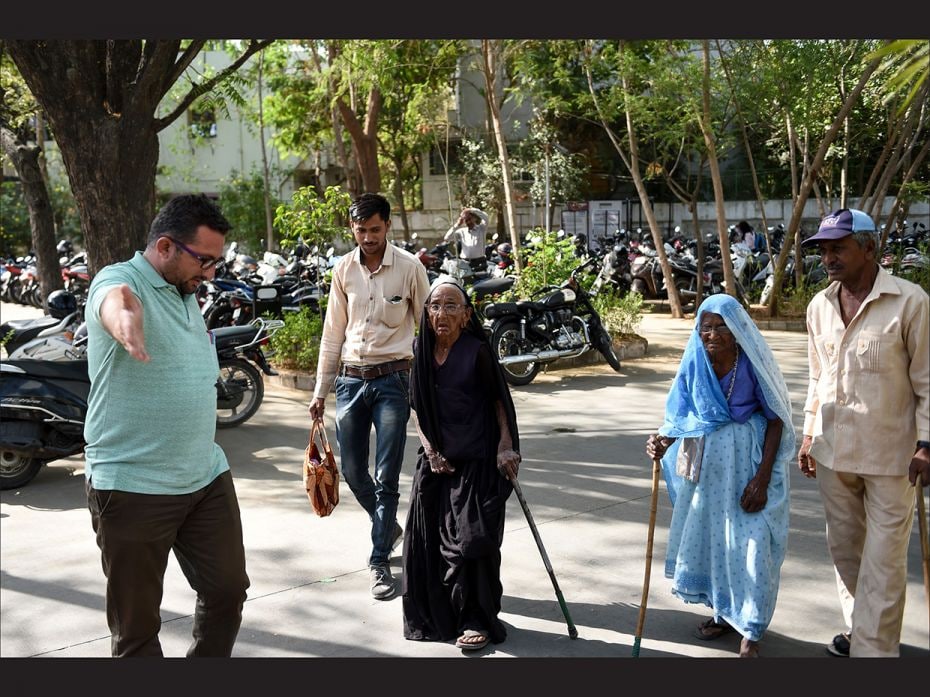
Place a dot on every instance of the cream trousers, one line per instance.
(869, 519)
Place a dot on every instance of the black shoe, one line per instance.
(839, 646)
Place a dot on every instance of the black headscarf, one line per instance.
(423, 378)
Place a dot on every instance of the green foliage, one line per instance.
(317, 220)
(547, 261)
(242, 200)
(297, 344)
(621, 315)
(795, 299)
(15, 235)
(15, 232)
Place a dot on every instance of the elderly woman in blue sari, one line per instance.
(724, 445)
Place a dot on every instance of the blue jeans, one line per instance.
(384, 403)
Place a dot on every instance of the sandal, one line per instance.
(710, 630)
(748, 649)
(478, 640)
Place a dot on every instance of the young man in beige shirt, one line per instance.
(375, 302)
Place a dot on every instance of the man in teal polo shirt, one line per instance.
(156, 480)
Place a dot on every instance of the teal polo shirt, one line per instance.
(150, 426)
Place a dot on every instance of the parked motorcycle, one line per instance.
(559, 322)
(241, 388)
(43, 403)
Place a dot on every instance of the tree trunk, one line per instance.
(364, 139)
(722, 232)
(399, 197)
(266, 178)
(490, 51)
(25, 160)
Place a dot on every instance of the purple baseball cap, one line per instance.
(839, 224)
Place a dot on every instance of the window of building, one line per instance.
(448, 153)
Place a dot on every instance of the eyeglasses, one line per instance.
(205, 261)
(721, 329)
(450, 308)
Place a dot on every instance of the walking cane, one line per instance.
(572, 632)
(924, 546)
(652, 528)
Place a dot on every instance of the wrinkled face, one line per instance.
(183, 267)
(448, 312)
(371, 235)
(715, 335)
(845, 260)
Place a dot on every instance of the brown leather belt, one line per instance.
(369, 372)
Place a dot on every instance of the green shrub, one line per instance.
(297, 344)
(547, 261)
(621, 315)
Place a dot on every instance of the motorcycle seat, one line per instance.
(20, 325)
(56, 370)
(492, 286)
(225, 337)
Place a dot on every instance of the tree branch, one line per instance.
(204, 87)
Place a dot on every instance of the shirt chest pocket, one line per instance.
(870, 348)
(393, 310)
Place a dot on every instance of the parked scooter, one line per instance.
(241, 388)
(43, 405)
(558, 323)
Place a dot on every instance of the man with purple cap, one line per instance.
(866, 426)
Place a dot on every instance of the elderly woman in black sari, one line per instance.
(469, 452)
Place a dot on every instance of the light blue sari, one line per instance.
(718, 554)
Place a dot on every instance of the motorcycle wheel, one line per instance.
(505, 341)
(604, 344)
(17, 470)
(239, 392)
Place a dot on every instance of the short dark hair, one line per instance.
(366, 205)
(182, 215)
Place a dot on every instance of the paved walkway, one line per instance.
(586, 479)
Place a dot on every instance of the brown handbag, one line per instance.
(321, 476)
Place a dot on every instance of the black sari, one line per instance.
(455, 524)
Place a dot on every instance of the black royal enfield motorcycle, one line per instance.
(43, 403)
(559, 322)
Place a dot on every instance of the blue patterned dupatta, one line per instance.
(718, 554)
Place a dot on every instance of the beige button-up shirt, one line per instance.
(867, 401)
(370, 316)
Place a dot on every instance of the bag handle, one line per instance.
(318, 427)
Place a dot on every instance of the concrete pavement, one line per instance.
(586, 479)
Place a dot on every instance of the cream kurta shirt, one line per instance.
(867, 401)
(370, 316)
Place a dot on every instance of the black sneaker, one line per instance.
(839, 646)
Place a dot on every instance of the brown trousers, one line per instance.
(136, 532)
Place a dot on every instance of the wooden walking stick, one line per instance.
(652, 528)
(924, 545)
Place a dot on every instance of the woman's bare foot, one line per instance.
(748, 649)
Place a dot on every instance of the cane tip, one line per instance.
(572, 633)
(636, 647)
